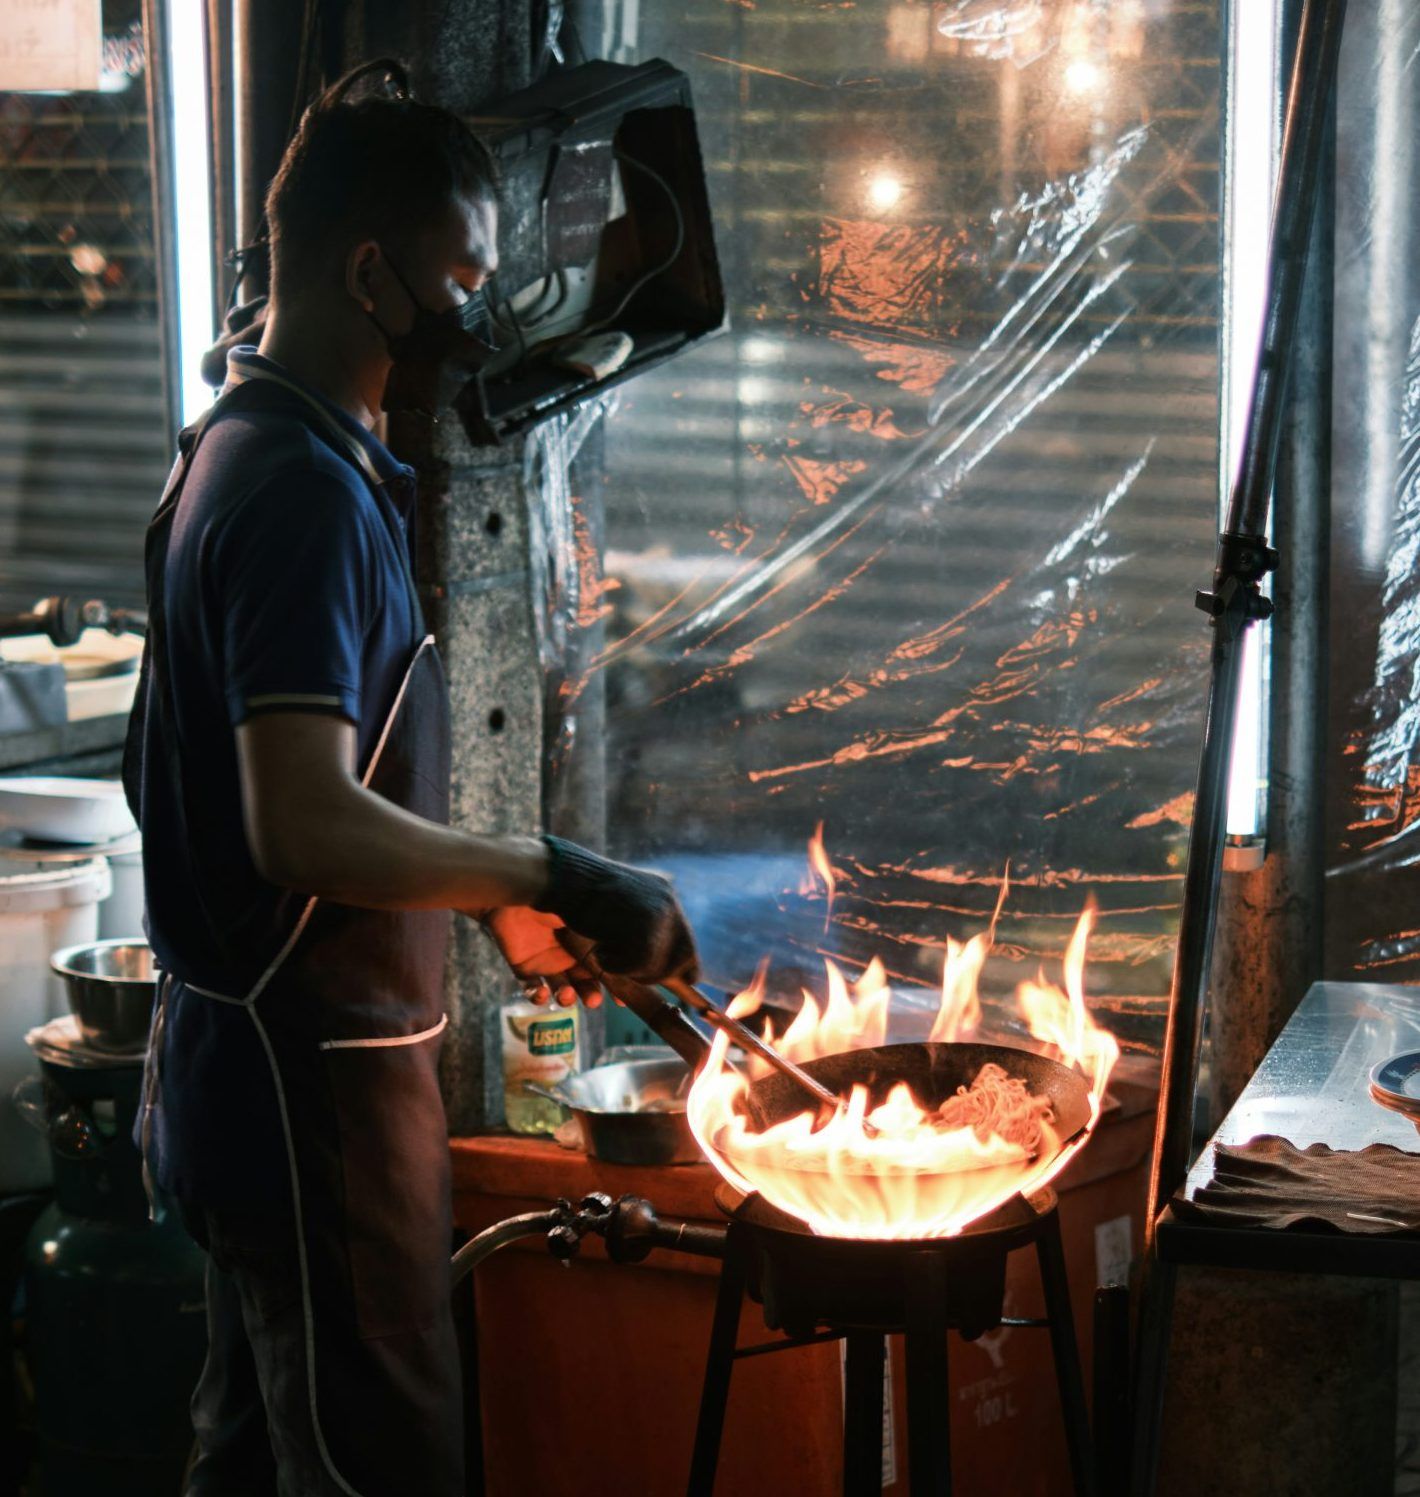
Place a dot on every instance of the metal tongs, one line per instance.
(657, 1008)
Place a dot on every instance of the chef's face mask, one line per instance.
(438, 356)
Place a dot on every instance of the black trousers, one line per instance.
(251, 1409)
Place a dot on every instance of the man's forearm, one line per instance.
(312, 826)
(355, 847)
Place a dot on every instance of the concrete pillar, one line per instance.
(494, 524)
(477, 527)
(504, 539)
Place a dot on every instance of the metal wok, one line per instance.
(933, 1071)
(809, 1182)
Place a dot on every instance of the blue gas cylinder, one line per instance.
(115, 1324)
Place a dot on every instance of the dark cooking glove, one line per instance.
(631, 915)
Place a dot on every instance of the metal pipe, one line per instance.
(1308, 105)
(1243, 558)
(160, 156)
(699, 1239)
(268, 49)
(1270, 920)
(1110, 1404)
(1235, 602)
(499, 1235)
(221, 149)
(696, 1238)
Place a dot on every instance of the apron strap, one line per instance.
(335, 433)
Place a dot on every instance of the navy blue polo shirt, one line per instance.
(288, 588)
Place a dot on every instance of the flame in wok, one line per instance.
(918, 1170)
(820, 874)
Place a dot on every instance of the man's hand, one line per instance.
(630, 915)
(529, 942)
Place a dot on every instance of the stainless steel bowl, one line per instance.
(632, 1112)
(110, 986)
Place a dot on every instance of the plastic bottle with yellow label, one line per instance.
(541, 1043)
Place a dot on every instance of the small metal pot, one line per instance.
(615, 1108)
(110, 986)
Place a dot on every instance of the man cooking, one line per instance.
(288, 761)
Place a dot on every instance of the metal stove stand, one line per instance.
(819, 1289)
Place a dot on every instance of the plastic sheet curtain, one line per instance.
(911, 550)
(1373, 780)
(84, 440)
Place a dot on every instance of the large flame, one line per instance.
(901, 1168)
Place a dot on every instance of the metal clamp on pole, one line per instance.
(1236, 599)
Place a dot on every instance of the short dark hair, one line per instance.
(378, 165)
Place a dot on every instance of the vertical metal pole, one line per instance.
(222, 149)
(1271, 918)
(863, 1413)
(1235, 602)
(929, 1393)
(160, 161)
(1068, 1378)
(465, 1302)
(265, 73)
(1112, 1432)
(1151, 1365)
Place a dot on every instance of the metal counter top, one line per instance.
(1312, 1087)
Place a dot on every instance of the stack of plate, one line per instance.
(1395, 1083)
(56, 808)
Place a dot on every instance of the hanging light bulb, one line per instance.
(884, 191)
(1083, 76)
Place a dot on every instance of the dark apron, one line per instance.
(348, 1015)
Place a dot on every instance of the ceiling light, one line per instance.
(884, 191)
(1083, 76)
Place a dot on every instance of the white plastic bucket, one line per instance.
(43, 907)
(121, 914)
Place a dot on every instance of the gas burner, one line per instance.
(804, 1281)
